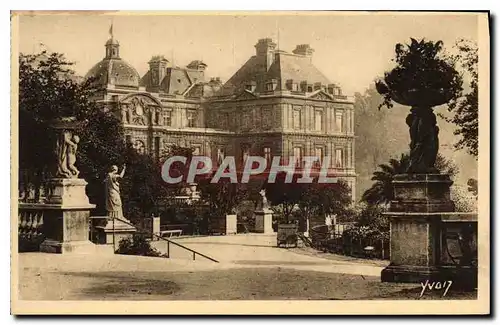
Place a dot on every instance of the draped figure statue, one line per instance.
(113, 200)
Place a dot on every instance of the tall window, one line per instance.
(220, 156)
(339, 121)
(267, 154)
(157, 147)
(191, 119)
(269, 86)
(225, 120)
(296, 119)
(318, 120)
(157, 117)
(339, 158)
(318, 152)
(168, 118)
(247, 120)
(297, 153)
(245, 152)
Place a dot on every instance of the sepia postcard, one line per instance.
(252, 163)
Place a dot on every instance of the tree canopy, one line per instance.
(48, 90)
(466, 107)
(382, 190)
(312, 199)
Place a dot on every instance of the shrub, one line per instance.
(463, 199)
(366, 233)
(138, 245)
(372, 216)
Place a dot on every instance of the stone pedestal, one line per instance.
(416, 227)
(225, 225)
(68, 192)
(422, 193)
(66, 217)
(264, 221)
(119, 230)
(414, 248)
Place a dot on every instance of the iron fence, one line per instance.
(336, 239)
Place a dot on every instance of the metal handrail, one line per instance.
(170, 242)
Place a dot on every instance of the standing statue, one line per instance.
(126, 114)
(113, 200)
(66, 147)
(424, 142)
(71, 155)
(262, 204)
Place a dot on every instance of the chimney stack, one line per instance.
(265, 48)
(304, 50)
(158, 67)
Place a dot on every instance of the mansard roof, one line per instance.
(285, 66)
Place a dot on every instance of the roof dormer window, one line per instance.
(249, 86)
(271, 85)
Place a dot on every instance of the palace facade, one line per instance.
(276, 104)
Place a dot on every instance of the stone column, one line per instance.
(67, 207)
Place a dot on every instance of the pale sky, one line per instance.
(350, 50)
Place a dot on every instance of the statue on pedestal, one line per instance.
(422, 79)
(66, 148)
(113, 199)
(262, 204)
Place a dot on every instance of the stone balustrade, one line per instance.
(30, 233)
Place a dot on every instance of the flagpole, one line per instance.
(111, 30)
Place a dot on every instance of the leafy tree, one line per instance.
(310, 199)
(284, 197)
(319, 200)
(379, 134)
(102, 146)
(465, 107)
(382, 191)
(222, 197)
(142, 185)
(177, 168)
(48, 90)
(372, 216)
